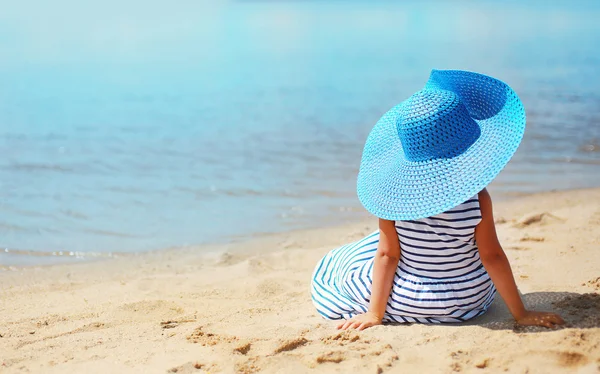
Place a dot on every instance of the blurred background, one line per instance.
(128, 126)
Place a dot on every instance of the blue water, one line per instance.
(144, 125)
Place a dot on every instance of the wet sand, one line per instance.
(246, 308)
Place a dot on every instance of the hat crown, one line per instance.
(434, 124)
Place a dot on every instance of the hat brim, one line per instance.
(391, 187)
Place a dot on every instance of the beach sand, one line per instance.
(246, 307)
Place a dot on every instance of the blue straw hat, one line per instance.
(441, 146)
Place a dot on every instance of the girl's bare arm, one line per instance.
(495, 262)
(384, 268)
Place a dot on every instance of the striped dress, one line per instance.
(440, 277)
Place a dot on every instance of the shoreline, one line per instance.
(245, 307)
(81, 258)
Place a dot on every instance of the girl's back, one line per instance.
(440, 276)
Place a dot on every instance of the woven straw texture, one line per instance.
(441, 146)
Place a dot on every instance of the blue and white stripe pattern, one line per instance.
(440, 277)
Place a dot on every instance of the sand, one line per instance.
(246, 308)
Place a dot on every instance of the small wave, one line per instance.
(243, 192)
(128, 190)
(74, 214)
(576, 160)
(24, 212)
(548, 162)
(214, 190)
(111, 233)
(74, 254)
(38, 167)
(11, 227)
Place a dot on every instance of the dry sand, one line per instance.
(246, 308)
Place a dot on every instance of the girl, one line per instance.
(436, 257)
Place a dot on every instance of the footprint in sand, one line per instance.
(290, 345)
(244, 348)
(571, 359)
(333, 356)
(269, 288)
(460, 358)
(594, 283)
(172, 323)
(343, 338)
(544, 218)
(148, 310)
(209, 339)
(527, 238)
(249, 366)
(500, 220)
(90, 327)
(483, 364)
(517, 248)
(381, 354)
(190, 367)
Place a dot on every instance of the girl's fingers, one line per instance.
(543, 321)
(346, 324)
(546, 324)
(553, 320)
(354, 323)
(550, 322)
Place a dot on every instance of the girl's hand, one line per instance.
(360, 322)
(531, 318)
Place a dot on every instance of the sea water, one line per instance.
(141, 125)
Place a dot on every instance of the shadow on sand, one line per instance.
(578, 310)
